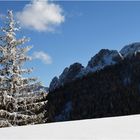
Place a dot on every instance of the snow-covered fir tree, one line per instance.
(21, 101)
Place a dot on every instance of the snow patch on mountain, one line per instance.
(131, 49)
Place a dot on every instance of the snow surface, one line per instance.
(116, 128)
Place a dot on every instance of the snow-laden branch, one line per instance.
(21, 119)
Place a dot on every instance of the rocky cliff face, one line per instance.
(68, 75)
(102, 59)
(55, 83)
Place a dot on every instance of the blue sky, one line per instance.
(86, 28)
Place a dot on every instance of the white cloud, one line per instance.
(44, 57)
(41, 15)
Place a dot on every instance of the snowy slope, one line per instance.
(117, 128)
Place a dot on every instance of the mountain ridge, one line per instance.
(103, 58)
(112, 91)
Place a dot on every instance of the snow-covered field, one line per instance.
(117, 128)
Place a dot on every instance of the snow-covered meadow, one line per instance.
(115, 128)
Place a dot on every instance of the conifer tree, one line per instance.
(21, 101)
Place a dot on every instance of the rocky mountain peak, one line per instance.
(69, 73)
(67, 76)
(103, 58)
(54, 83)
(131, 49)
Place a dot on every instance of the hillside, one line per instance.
(112, 91)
